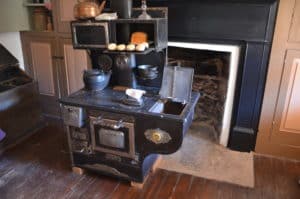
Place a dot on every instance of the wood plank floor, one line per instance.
(40, 168)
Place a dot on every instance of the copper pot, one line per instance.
(88, 9)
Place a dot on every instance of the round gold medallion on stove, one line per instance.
(156, 136)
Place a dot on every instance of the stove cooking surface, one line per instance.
(111, 100)
(108, 98)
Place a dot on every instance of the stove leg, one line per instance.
(156, 163)
(78, 171)
(138, 185)
(152, 171)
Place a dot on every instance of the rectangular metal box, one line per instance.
(73, 116)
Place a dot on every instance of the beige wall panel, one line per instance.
(14, 16)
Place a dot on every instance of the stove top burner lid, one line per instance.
(134, 97)
(177, 83)
(6, 58)
(130, 102)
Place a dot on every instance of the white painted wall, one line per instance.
(12, 41)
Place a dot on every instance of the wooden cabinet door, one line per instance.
(63, 13)
(286, 127)
(42, 63)
(279, 129)
(73, 64)
(40, 53)
(294, 32)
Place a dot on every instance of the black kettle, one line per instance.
(96, 80)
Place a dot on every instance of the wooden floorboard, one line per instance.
(183, 186)
(40, 168)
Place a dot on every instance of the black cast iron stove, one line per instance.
(121, 139)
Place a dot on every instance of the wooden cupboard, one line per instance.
(287, 114)
(63, 14)
(39, 57)
(51, 60)
(55, 65)
(279, 130)
(73, 64)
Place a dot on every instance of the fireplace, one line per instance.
(244, 25)
(216, 68)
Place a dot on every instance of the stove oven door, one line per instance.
(113, 136)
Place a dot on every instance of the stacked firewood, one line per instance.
(210, 107)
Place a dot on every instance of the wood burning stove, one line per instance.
(108, 132)
(119, 140)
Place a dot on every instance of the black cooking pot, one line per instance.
(96, 80)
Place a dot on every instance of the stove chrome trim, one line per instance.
(130, 126)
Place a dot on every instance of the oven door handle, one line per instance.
(116, 125)
(96, 120)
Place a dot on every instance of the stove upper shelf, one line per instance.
(145, 52)
(97, 34)
(156, 29)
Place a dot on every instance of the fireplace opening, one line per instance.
(215, 69)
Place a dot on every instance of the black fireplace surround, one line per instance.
(248, 23)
